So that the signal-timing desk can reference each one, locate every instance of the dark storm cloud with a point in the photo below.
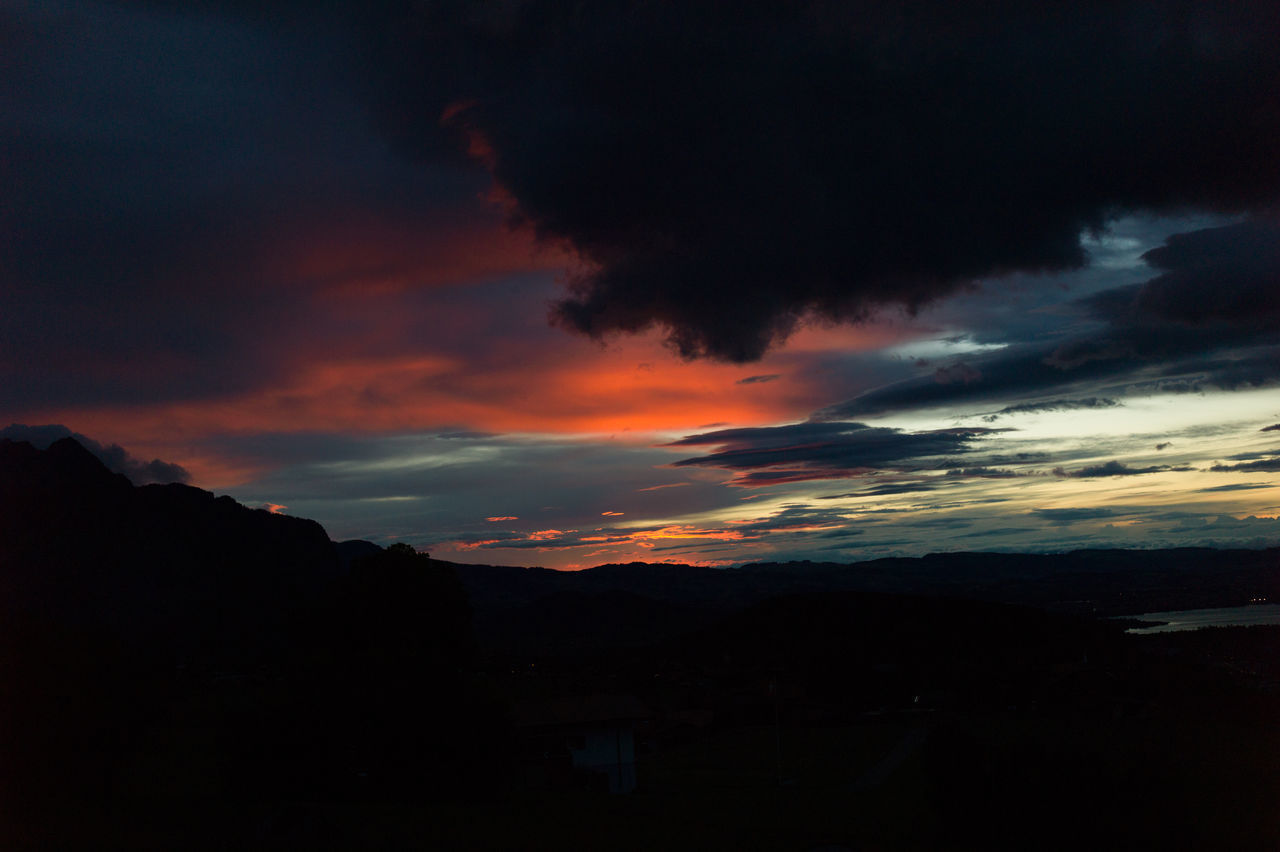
(115, 457)
(1228, 274)
(724, 169)
(720, 169)
(756, 380)
(802, 451)
(1272, 428)
(155, 165)
(1187, 330)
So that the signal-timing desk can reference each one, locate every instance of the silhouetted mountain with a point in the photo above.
(1086, 582)
(168, 654)
(159, 641)
(1098, 582)
(81, 544)
(352, 550)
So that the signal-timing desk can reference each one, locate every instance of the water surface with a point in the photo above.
(1194, 619)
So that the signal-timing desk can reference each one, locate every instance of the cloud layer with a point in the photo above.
(802, 451)
(1211, 319)
(725, 170)
(308, 250)
(115, 457)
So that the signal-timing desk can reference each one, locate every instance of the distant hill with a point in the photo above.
(1103, 582)
(80, 542)
(510, 600)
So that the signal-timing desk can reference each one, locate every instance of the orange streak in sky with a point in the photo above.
(359, 362)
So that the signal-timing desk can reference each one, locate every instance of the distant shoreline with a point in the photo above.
(1251, 614)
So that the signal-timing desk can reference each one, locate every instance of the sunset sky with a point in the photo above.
(560, 284)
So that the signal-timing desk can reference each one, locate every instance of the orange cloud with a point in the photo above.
(546, 535)
(389, 337)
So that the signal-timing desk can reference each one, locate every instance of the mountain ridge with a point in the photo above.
(81, 540)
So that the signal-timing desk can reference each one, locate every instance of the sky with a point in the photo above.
(563, 284)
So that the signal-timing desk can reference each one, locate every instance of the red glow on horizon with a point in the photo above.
(364, 359)
(608, 394)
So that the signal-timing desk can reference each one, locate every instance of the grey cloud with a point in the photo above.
(1054, 405)
(1153, 338)
(983, 473)
(116, 458)
(772, 161)
(756, 380)
(1254, 455)
(849, 533)
(1068, 516)
(958, 373)
(885, 489)
(1226, 274)
(1237, 486)
(1112, 468)
(848, 239)
(823, 450)
(1271, 464)
(998, 532)
(794, 517)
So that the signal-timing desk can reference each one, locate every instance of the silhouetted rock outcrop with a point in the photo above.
(81, 544)
(159, 642)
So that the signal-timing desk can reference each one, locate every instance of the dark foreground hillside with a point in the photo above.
(179, 671)
(175, 667)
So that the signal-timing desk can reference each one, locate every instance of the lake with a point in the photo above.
(1194, 619)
